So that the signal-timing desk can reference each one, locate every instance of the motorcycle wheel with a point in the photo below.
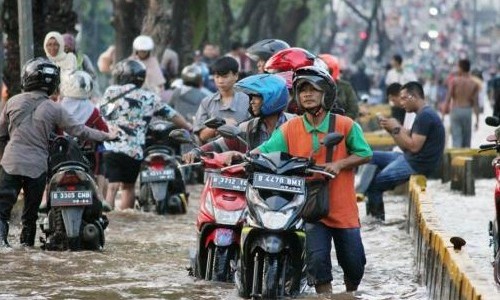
(270, 278)
(221, 267)
(210, 262)
(161, 207)
(496, 268)
(57, 239)
(257, 276)
(145, 198)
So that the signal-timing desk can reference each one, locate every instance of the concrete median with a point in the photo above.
(448, 273)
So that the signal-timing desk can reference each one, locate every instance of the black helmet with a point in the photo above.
(192, 75)
(40, 74)
(320, 79)
(129, 71)
(264, 49)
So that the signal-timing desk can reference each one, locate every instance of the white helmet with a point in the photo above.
(78, 85)
(143, 43)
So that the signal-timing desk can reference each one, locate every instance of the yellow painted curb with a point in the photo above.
(447, 273)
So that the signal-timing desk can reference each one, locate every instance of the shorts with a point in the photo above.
(120, 167)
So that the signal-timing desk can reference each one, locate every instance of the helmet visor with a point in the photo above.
(313, 80)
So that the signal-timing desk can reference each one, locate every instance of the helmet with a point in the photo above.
(129, 71)
(264, 49)
(333, 65)
(291, 59)
(143, 43)
(40, 74)
(320, 79)
(77, 85)
(192, 75)
(271, 88)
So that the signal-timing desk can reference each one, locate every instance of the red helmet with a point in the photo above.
(333, 65)
(290, 60)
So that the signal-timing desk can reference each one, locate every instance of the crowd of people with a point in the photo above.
(288, 103)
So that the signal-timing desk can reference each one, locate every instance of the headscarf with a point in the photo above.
(65, 61)
(69, 40)
(79, 109)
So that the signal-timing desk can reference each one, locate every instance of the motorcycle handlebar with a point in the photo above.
(313, 170)
(487, 146)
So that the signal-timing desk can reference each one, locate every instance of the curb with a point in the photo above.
(447, 273)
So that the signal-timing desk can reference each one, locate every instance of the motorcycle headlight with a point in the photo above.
(276, 220)
(254, 198)
(228, 217)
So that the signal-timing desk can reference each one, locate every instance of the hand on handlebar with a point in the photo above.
(113, 134)
(191, 156)
(231, 156)
(332, 168)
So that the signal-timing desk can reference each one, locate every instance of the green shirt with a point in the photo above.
(355, 141)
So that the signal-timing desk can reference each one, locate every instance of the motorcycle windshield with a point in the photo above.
(280, 163)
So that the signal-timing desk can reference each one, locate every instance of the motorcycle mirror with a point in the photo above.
(231, 132)
(214, 122)
(181, 136)
(492, 121)
(332, 139)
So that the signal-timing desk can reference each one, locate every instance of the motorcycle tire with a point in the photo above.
(145, 201)
(257, 276)
(221, 267)
(57, 239)
(161, 207)
(496, 268)
(271, 278)
(210, 262)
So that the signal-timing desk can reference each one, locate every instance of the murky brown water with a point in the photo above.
(146, 256)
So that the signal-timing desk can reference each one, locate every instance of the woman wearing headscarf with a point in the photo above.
(54, 49)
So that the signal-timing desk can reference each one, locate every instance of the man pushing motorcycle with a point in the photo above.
(315, 92)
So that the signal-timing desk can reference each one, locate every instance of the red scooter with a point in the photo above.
(493, 225)
(220, 218)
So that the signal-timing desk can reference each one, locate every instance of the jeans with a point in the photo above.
(393, 169)
(10, 185)
(349, 249)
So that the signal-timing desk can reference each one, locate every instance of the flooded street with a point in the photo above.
(146, 256)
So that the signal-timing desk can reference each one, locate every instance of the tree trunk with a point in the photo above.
(384, 42)
(157, 24)
(127, 21)
(294, 18)
(364, 43)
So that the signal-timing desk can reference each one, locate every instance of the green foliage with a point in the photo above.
(310, 28)
(198, 14)
(96, 32)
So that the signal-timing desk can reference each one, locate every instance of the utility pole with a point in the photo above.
(25, 31)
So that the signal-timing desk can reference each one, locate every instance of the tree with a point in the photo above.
(127, 20)
(369, 20)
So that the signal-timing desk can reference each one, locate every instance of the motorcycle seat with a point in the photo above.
(71, 164)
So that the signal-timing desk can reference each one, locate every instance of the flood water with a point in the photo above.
(146, 256)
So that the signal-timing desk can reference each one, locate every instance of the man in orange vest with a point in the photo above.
(315, 93)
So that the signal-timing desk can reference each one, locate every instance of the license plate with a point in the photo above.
(290, 184)
(228, 183)
(223, 237)
(70, 198)
(160, 175)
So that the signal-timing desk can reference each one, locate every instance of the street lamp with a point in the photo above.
(433, 11)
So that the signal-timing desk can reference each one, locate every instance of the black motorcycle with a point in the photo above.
(74, 217)
(162, 186)
(272, 246)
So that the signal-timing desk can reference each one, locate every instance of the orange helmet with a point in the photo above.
(333, 64)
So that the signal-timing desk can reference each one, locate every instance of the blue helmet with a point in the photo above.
(271, 88)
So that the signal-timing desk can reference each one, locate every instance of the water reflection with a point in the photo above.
(146, 256)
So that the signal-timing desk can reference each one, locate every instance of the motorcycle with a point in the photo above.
(162, 187)
(220, 218)
(74, 218)
(493, 225)
(271, 263)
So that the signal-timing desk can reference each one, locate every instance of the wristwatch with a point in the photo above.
(396, 130)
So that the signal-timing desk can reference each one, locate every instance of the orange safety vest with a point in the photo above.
(343, 206)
